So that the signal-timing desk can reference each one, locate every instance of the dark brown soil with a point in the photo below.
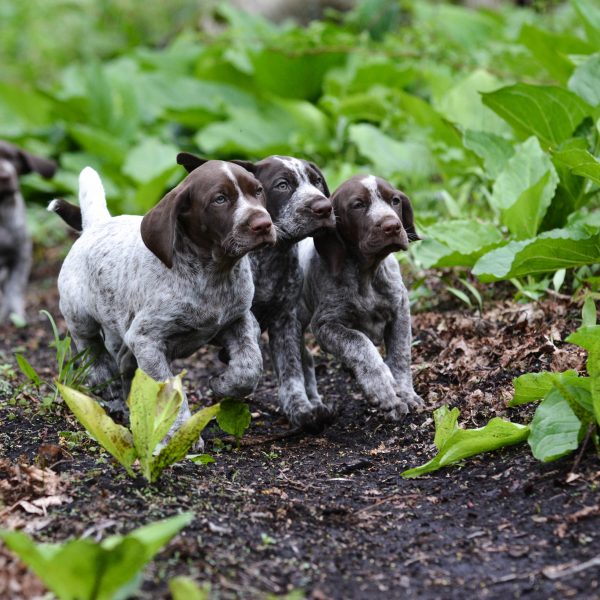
(329, 514)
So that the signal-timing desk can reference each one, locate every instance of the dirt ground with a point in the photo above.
(327, 515)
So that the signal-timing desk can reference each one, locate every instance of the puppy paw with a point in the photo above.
(238, 387)
(408, 396)
(313, 418)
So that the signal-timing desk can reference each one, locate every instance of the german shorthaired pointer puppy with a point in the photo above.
(15, 243)
(354, 296)
(145, 291)
(297, 200)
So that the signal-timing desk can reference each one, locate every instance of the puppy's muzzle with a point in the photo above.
(261, 226)
(321, 207)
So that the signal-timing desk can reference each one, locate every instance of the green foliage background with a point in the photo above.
(488, 119)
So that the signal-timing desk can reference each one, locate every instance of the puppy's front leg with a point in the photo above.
(398, 340)
(240, 341)
(14, 288)
(358, 353)
(286, 344)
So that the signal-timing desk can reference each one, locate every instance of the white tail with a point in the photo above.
(92, 199)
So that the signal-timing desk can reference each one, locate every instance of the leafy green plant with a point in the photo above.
(72, 367)
(568, 411)
(153, 408)
(82, 569)
(185, 588)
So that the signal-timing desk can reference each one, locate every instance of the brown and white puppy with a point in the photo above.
(354, 297)
(143, 291)
(298, 203)
(15, 243)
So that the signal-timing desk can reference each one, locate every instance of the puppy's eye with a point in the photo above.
(282, 185)
(395, 201)
(258, 192)
(358, 204)
(220, 199)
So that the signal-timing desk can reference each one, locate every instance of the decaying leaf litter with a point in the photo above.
(329, 514)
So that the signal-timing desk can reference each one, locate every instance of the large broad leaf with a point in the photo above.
(534, 386)
(589, 13)
(493, 149)
(555, 428)
(234, 417)
(153, 408)
(389, 156)
(183, 439)
(455, 443)
(552, 50)
(87, 570)
(584, 81)
(114, 438)
(21, 109)
(589, 338)
(281, 126)
(550, 251)
(550, 113)
(462, 104)
(524, 189)
(456, 243)
(579, 162)
(150, 159)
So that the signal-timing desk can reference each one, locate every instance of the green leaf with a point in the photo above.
(589, 338)
(456, 443)
(493, 149)
(114, 438)
(150, 159)
(584, 81)
(28, 370)
(457, 242)
(534, 386)
(552, 250)
(185, 588)
(589, 14)
(446, 424)
(588, 313)
(201, 459)
(86, 570)
(234, 417)
(183, 439)
(579, 162)
(389, 156)
(552, 50)
(550, 113)
(153, 408)
(463, 105)
(555, 428)
(524, 189)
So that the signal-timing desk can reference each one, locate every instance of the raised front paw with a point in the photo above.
(381, 393)
(227, 385)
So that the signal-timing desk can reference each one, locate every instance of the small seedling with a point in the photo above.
(153, 408)
(184, 588)
(86, 570)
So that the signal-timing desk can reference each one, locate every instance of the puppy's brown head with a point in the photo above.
(219, 207)
(373, 219)
(296, 193)
(15, 162)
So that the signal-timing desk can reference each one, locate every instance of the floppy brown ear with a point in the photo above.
(408, 220)
(46, 168)
(331, 249)
(245, 164)
(190, 161)
(159, 225)
(325, 188)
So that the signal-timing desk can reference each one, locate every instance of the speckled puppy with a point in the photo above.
(297, 200)
(15, 243)
(354, 296)
(145, 291)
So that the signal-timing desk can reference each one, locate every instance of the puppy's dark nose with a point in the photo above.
(321, 208)
(260, 224)
(391, 226)
(4, 176)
